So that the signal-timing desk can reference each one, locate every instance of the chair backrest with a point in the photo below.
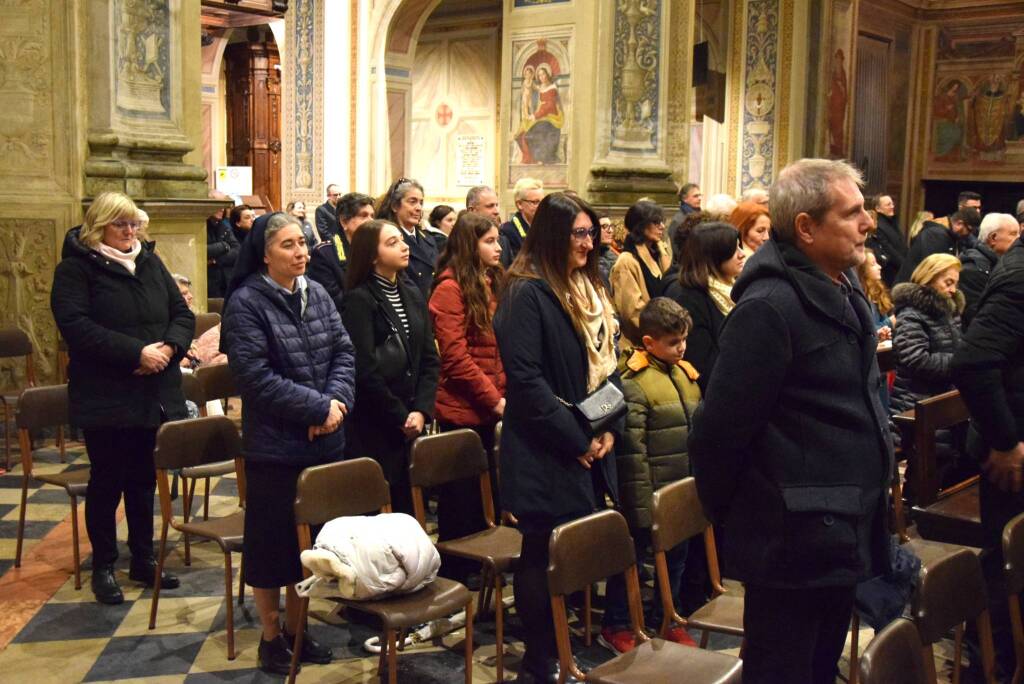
(886, 359)
(43, 407)
(195, 442)
(217, 381)
(325, 492)
(1013, 555)
(215, 305)
(588, 549)
(676, 514)
(445, 457)
(205, 321)
(14, 342)
(941, 411)
(894, 656)
(193, 389)
(950, 591)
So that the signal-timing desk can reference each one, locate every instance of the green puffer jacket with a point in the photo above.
(661, 402)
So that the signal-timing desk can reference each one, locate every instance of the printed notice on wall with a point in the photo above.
(234, 180)
(469, 160)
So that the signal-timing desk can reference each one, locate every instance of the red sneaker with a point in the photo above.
(678, 634)
(617, 640)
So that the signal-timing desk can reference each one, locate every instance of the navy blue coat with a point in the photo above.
(422, 261)
(288, 371)
(791, 448)
(542, 483)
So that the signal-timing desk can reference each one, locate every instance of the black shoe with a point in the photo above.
(104, 586)
(143, 572)
(275, 656)
(312, 650)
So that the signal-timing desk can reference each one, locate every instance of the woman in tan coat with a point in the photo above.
(638, 274)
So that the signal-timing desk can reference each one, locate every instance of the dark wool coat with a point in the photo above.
(328, 264)
(542, 483)
(472, 379)
(288, 370)
(375, 428)
(978, 262)
(221, 253)
(926, 335)
(934, 238)
(422, 262)
(702, 340)
(988, 368)
(326, 218)
(791, 448)
(511, 238)
(890, 248)
(107, 315)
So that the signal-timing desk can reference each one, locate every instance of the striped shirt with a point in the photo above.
(394, 299)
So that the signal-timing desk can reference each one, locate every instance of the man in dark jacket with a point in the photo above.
(800, 482)
(888, 243)
(988, 368)
(328, 261)
(528, 194)
(327, 214)
(221, 252)
(935, 238)
(997, 233)
(689, 203)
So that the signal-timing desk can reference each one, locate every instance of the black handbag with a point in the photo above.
(599, 409)
(392, 361)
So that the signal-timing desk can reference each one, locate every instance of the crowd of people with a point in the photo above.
(740, 339)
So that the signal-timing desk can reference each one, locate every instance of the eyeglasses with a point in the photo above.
(532, 203)
(581, 234)
(126, 225)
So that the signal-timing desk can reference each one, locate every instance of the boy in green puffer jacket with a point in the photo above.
(662, 394)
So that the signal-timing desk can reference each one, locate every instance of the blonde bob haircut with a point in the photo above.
(105, 209)
(524, 185)
(932, 267)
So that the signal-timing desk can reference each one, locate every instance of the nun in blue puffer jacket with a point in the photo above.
(294, 364)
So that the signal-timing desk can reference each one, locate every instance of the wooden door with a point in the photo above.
(254, 115)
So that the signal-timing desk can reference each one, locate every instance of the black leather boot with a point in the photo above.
(275, 656)
(143, 571)
(312, 650)
(104, 586)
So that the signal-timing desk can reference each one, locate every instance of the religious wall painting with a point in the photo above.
(541, 98)
(842, 36)
(977, 104)
(143, 83)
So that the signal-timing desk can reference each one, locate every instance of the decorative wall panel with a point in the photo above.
(636, 76)
(759, 99)
(143, 83)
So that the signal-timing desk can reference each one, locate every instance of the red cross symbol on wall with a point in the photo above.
(443, 114)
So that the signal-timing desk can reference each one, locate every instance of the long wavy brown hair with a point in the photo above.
(480, 284)
(875, 290)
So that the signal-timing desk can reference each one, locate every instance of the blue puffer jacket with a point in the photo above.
(288, 371)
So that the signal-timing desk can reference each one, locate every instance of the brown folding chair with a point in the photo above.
(894, 656)
(215, 305)
(358, 487)
(14, 342)
(1013, 569)
(40, 408)
(597, 546)
(951, 591)
(457, 455)
(184, 444)
(204, 322)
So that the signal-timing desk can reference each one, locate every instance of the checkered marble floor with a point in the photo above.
(71, 638)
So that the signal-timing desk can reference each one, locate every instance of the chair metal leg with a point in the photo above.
(228, 581)
(704, 635)
(159, 573)
(74, 540)
(21, 519)
(297, 645)
(469, 642)
(499, 625)
(393, 656)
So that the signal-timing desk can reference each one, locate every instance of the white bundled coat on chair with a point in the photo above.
(366, 557)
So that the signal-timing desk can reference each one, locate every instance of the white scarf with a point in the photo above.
(126, 259)
(599, 329)
(721, 294)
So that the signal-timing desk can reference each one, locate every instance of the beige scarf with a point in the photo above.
(721, 294)
(126, 259)
(599, 329)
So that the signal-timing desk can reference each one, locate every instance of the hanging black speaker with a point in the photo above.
(701, 53)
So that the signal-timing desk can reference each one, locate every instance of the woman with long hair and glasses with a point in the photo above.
(396, 360)
(471, 393)
(127, 328)
(556, 332)
(294, 365)
(639, 273)
(402, 205)
(712, 258)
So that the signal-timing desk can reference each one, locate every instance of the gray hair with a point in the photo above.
(473, 196)
(721, 205)
(525, 185)
(276, 223)
(181, 279)
(993, 222)
(754, 195)
(806, 187)
(1020, 211)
